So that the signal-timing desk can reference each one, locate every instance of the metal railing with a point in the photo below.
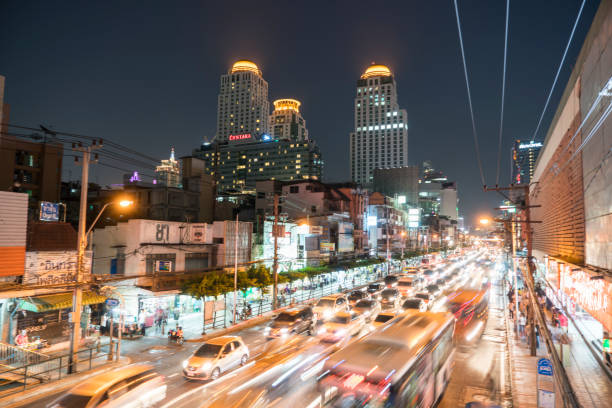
(12, 355)
(24, 374)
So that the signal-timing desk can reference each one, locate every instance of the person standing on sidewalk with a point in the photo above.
(522, 322)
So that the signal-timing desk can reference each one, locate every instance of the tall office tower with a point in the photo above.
(524, 156)
(168, 173)
(380, 139)
(243, 106)
(286, 122)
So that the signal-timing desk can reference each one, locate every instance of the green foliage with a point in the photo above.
(215, 283)
(260, 277)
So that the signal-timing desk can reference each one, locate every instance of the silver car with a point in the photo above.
(215, 357)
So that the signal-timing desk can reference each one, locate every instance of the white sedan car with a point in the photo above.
(342, 326)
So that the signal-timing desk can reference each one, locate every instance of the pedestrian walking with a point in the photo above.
(522, 322)
(511, 311)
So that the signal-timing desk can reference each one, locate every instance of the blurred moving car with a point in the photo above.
(132, 386)
(356, 296)
(369, 308)
(328, 306)
(406, 286)
(425, 297)
(374, 289)
(215, 357)
(292, 321)
(382, 319)
(434, 290)
(390, 299)
(415, 303)
(391, 281)
(341, 326)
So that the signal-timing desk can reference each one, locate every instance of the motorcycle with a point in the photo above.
(173, 335)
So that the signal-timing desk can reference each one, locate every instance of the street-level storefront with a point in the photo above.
(45, 317)
(587, 297)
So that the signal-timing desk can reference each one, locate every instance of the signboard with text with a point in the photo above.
(545, 384)
(49, 211)
(53, 267)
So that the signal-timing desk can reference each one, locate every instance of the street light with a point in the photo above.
(77, 296)
(485, 221)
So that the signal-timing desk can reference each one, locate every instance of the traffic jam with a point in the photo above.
(387, 343)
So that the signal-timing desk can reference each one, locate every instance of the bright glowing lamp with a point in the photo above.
(125, 203)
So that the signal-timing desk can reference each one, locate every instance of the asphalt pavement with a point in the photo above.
(282, 373)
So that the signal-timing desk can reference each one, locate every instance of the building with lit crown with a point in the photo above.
(286, 122)
(524, 156)
(243, 105)
(168, 173)
(380, 136)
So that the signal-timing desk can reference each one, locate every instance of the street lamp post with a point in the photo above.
(77, 297)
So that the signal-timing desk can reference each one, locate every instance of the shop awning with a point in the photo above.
(57, 301)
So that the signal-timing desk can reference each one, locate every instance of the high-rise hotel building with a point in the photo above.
(243, 105)
(380, 139)
(246, 150)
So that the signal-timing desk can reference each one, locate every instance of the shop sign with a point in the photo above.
(243, 136)
(606, 346)
(328, 246)
(49, 211)
(53, 267)
(316, 229)
(544, 384)
(593, 295)
(163, 266)
(112, 302)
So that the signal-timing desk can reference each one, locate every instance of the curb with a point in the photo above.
(31, 395)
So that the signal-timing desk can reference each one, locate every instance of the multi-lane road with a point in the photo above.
(283, 372)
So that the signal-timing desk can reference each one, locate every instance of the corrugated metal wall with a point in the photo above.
(13, 223)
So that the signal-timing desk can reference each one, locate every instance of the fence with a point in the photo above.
(30, 369)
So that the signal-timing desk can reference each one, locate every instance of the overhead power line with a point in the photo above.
(501, 120)
(558, 71)
(467, 84)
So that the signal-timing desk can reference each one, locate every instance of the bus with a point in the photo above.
(470, 308)
(406, 363)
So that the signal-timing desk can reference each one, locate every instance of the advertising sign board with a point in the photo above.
(49, 211)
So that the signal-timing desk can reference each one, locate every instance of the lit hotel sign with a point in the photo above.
(527, 145)
(240, 137)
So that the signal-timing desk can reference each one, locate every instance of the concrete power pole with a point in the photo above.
(275, 265)
(77, 296)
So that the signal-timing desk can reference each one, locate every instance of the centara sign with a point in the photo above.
(527, 145)
(240, 137)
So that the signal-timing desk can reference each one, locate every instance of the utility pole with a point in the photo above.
(388, 220)
(275, 265)
(77, 295)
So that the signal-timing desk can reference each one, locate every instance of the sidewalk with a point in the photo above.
(589, 382)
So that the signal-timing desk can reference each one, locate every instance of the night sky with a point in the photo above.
(146, 74)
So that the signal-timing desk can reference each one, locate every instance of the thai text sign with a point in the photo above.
(53, 267)
(49, 211)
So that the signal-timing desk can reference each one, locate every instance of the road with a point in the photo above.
(282, 373)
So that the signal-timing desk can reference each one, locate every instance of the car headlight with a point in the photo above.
(267, 330)
(185, 363)
(341, 332)
(284, 330)
(327, 314)
(321, 330)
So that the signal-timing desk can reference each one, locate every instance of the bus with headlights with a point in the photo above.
(470, 307)
(406, 363)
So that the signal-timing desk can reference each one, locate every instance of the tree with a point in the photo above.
(262, 279)
(213, 284)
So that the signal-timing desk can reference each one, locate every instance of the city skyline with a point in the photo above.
(174, 79)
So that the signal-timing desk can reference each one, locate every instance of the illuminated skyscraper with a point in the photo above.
(286, 122)
(524, 156)
(168, 173)
(243, 106)
(380, 138)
